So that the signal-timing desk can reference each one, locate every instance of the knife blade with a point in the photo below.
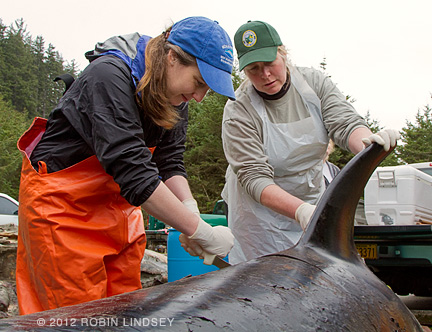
(210, 259)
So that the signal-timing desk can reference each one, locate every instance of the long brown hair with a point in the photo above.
(151, 90)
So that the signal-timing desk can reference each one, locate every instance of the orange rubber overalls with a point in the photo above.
(79, 240)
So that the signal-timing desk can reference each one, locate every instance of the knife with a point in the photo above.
(210, 259)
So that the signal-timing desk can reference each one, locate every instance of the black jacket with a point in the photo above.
(99, 116)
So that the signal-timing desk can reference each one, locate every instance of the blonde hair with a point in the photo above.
(151, 90)
(283, 51)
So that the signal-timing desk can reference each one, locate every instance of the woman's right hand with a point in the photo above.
(387, 138)
(216, 240)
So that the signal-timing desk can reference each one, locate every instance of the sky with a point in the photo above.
(377, 51)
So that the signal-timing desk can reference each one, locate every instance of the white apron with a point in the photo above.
(296, 151)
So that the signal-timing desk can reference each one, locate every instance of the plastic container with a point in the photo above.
(180, 263)
(398, 195)
(424, 167)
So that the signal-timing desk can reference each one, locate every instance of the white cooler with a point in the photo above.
(398, 195)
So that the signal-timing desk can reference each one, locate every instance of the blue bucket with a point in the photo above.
(180, 263)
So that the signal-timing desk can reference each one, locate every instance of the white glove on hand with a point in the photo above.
(193, 248)
(387, 138)
(304, 213)
(216, 240)
(192, 205)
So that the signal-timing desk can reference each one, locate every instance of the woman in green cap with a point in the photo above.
(275, 135)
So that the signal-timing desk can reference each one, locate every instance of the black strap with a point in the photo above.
(67, 78)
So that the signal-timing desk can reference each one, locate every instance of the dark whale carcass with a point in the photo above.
(321, 284)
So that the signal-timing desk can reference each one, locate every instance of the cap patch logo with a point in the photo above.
(249, 38)
(229, 53)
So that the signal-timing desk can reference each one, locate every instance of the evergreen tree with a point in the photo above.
(19, 81)
(204, 157)
(27, 71)
(323, 64)
(2, 54)
(12, 125)
(38, 50)
(417, 139)
(53, 68)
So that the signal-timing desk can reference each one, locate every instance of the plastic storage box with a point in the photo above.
(398, 195)
(424, 167)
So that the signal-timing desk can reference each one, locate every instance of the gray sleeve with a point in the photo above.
(339, 116)
(242, 139)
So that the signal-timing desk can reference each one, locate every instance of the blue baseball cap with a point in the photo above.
(211, 46)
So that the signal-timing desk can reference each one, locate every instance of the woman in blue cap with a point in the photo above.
(113, 145)
(275, 135)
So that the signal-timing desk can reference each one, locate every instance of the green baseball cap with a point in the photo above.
(256, 41)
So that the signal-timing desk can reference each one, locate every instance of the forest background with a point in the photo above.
(28, 89)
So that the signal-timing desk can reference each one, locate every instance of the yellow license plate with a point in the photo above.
(367, 251)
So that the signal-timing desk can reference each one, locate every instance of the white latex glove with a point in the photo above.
(304, 213)
(193, 248)
(387, 138)
(192, 205)
(216, 240)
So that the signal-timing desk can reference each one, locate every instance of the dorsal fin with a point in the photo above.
(332, 225)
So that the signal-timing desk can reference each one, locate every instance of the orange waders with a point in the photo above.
(79, 240)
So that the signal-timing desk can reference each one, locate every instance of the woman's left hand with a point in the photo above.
(216, 240)
(304, 214)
